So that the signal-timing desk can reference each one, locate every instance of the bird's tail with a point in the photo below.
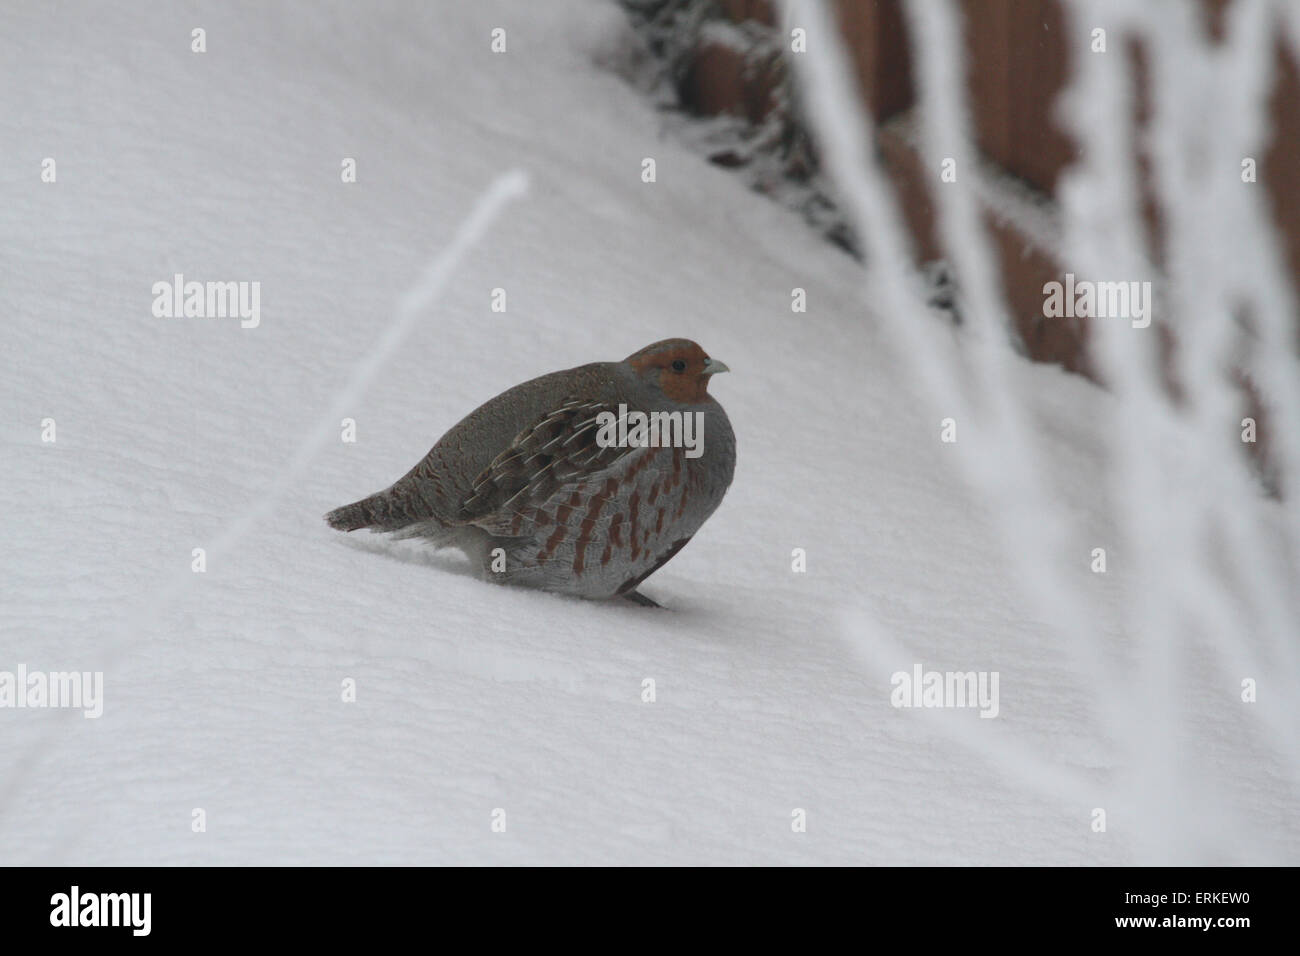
(382, 511)
(359, 514)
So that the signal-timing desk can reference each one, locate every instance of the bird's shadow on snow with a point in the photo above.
(452, 561)
(413, 552)
(688, 610)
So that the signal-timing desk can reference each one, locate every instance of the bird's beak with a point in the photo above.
(713, 367)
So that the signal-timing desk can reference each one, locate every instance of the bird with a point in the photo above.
(563, 484)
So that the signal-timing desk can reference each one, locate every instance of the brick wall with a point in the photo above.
(1017, 65)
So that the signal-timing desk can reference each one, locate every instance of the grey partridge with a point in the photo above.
(552, 485)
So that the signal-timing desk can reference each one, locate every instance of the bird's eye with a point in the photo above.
(679, 365)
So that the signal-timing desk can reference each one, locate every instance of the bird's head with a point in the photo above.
(677, 367)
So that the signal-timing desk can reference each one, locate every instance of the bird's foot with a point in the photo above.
(636, 597)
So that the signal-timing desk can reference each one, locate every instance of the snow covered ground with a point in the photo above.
(222, 690)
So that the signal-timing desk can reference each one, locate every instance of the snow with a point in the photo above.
(772, 688)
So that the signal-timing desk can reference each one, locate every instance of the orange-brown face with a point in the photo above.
(679, 367)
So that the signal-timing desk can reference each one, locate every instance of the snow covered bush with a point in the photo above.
(1208, 653)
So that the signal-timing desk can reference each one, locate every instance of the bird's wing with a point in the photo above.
(559, 449)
